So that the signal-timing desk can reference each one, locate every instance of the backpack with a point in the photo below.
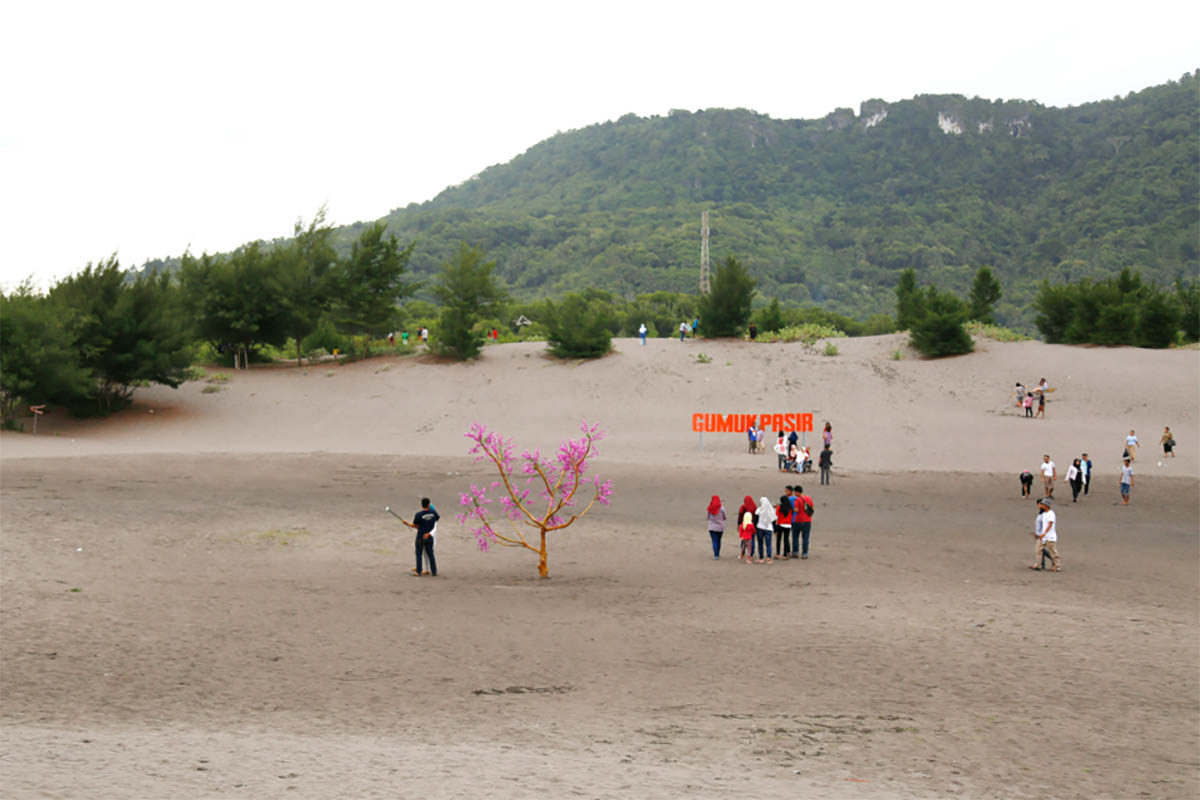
(808, 507)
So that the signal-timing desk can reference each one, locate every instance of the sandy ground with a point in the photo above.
(199, 602)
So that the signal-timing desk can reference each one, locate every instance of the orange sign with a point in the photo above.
(740, 423)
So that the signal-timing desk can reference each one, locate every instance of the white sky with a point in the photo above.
(150, 127)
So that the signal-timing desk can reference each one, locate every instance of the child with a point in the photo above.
(746, 534)
(1029, 404)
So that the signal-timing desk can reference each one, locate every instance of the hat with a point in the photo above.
(1046, 501)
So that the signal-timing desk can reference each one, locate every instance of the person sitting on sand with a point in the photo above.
(1168, 443)
(806, 460)
(793, 455)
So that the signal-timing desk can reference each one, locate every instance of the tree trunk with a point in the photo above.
(542, 570)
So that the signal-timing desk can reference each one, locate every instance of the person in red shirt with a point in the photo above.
(801, 522)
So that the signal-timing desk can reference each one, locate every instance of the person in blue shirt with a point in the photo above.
(424, 522)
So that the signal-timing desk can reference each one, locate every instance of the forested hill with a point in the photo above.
(831, 210)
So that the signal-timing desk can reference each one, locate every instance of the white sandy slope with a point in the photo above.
(888, 415)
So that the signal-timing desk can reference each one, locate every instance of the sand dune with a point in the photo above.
(888, 415)
(201, 596)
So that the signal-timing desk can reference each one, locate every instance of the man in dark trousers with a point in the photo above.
(825, 462)
(423, 523)
(801, 521)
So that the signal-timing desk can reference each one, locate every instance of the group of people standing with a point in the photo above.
(1026, 399)
(1079, 477)
(794, 457)
(787, 525)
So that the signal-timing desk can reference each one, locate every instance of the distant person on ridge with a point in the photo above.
(753, 332)
(642, 333)
(683, 329)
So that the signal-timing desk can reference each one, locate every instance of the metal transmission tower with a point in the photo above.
(704, 274)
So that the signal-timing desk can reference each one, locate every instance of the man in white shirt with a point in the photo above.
(1126, 481)
(1049, 473)
(1047, 540)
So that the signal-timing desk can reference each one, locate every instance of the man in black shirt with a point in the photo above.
(423, 523)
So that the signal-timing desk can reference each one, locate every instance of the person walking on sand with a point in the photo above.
(825, 462)
(716, 524)
(1047, 540)
(1075, 479)
(748, 507)
(1041, 412)
(1086, 466)
(1020, 392)
(683, 329)
(746, 535)
(766, 529)
(801, 521)
(760, 439)
(1168, 443)
(1126, 481)
(1049, 473)
(1029, 405)
(827, 435)
(424, 522)
(1131, 446)
(642, 333)
(752, 437)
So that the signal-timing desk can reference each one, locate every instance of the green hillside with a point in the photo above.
(829, 211)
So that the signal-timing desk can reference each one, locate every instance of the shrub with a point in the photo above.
(831, 349)
(809, 333)
(994, 332)
(577, 329)
(939, 331)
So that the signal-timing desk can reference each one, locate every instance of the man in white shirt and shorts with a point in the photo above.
(1049, 473)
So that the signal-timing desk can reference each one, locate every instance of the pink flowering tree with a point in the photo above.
(536, 495)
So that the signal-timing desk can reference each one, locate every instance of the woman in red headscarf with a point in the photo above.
(716, 524)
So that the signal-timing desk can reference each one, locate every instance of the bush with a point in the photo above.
(939, 330)
(578, 329)
(994, 332)
(831, 349)
(725, 310)
(809, 333)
